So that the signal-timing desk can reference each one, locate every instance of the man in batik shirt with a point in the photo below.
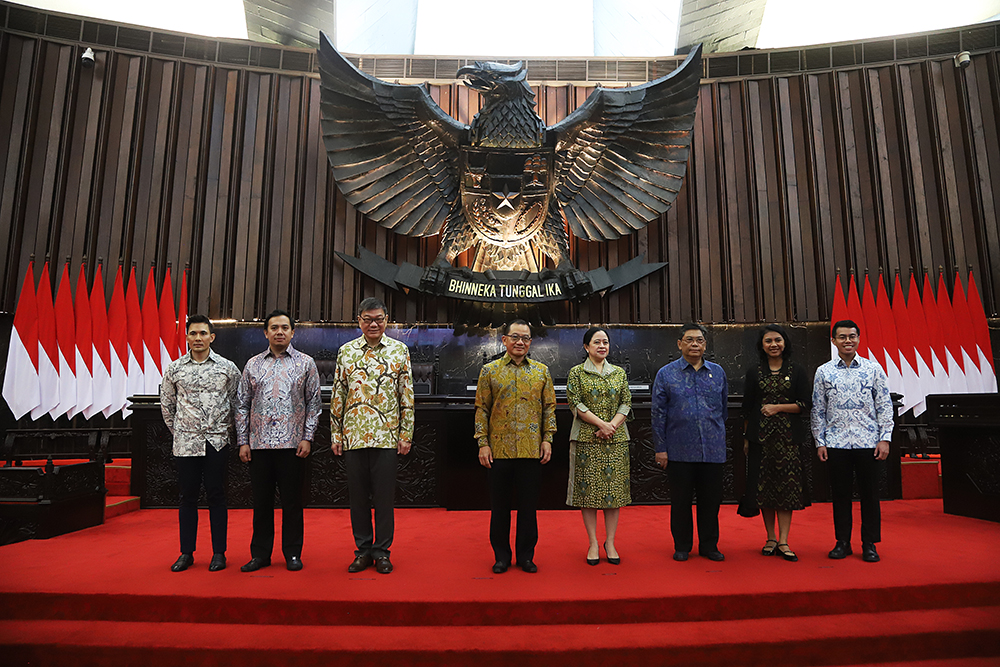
(852, 421)
(515, 425)
(689, 407)
(371, 422)
(197, 397)
(278, 406)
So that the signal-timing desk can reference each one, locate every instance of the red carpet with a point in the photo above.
(105, 596)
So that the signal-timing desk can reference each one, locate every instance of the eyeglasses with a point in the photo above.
(370, 320)
(518, 337)
(843, 337)
(690, 340)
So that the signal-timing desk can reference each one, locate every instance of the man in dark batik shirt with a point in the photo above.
(690, 398)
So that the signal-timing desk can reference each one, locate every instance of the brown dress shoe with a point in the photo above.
(383, 565)
(361, 563)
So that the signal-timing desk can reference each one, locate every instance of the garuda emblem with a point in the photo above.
(507, 185)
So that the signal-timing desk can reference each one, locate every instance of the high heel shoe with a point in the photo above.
(593, 561)
(614, 561)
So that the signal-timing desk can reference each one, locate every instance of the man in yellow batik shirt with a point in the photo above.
(371, 420)
(515, 424)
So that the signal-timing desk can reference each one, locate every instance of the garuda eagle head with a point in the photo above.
(507, 118)
(497, 81)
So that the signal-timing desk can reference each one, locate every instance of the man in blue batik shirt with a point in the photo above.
(690, 399)
(852, 420)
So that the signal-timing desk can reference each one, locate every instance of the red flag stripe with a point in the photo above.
(886, 322)
(856, 314)
(133, 319)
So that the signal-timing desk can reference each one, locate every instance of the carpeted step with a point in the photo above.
(118, 505)
(117, 479)
(847, 639)
(210, 606)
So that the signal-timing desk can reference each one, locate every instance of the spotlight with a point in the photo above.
(963, 59)
(87, 59)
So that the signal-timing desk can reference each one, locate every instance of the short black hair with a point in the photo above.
(688, 326)
(278, 312)
(506, 328)
(372, 303)
(199, 319)
(592, 331)
(844, 324)
(778, 329)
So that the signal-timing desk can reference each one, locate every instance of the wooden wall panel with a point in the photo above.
(155, 161)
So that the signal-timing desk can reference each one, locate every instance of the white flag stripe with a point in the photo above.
(20, 381)
(101, 397)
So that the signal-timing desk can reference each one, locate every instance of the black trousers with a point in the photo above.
(281, 468)
(686, 480)
(842, 465)
(192, 472)
(510, 477)
(371, 483)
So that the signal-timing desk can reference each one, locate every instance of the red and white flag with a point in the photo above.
(182, 314)
(101, 347)
(48, 348)
(926, 359)
(152, 372)
(118, 331)
(20, 379)
(966, 338)
(890, 342)
(66, 338)
(952, 345)
(84, 347)
(982, 331)
(168, 325)
(939, 353)
(909, 359)
(873, 326)
(857, 314)
(838, 313)
(136, 348)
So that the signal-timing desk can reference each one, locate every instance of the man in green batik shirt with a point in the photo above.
(371, 420)
(515, 424)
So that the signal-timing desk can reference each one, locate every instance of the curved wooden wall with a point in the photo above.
(149, 159)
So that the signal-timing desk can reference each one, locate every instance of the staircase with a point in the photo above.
(117, 480)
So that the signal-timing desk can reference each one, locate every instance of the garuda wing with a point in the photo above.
(393, 150)
(621, 156)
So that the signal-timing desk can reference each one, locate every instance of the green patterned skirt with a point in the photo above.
(598, 475)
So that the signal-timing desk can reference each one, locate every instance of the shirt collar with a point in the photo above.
(855, 362)
(289, 352)
(590, 367)
(186, 358)
(507, 359)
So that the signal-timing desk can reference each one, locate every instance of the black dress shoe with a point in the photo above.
(218, 563)
(715, 555)
(500, 567)
(788, 554)
(842, 550)
(868, 553)
(383, 565)
(293, 563)
(361, 563)
(680, 556)
(255, 564)
(529, 566)
(182, 563)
